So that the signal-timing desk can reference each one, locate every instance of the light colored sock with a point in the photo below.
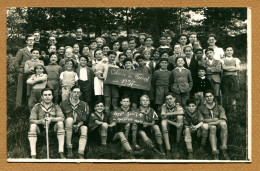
(61, 137)
(82, 144)
(32, 139)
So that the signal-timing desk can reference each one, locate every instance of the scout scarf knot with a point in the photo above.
(211, 109)
(74, 107)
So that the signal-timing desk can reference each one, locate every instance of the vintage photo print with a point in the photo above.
(128, 84)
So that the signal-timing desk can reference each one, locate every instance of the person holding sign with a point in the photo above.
(123, 126)
(76, 113)
(150, 117)
(172, 115)
(42, 113)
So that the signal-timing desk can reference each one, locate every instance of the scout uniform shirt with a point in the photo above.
(171, 109)
(96, 116)
(191, 118)
(39, 111)
(78, 111)
(205, 112)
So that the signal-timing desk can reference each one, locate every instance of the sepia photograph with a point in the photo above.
(166, 85)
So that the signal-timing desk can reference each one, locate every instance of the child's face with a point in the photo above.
(188, 52)
(170, 100)
(180, 62)
(116, 46)
(99, 107)
(111, 58)
(35, 54)
(183, 40)
(39, 69)
(229, 51)
(128, 65)
(191, 107)
(209, 98)
(129, 53)
(99, 43)
(132, 44)
(149, 42)
(144, 101)
(193, 38)
(163, 40)
(165, 55)
(52, 49)
(83, 62)
(105, 60)
(196, 45)
(93, 45)
(210, 54)
(53, 59)
(156, 55)
(124, 45)
(105, 50)
(199, 55)
(141, 39)
(79, 33)
(68, 53)
(69, 65)
(212, 41)
(168, 40)
(61, 50)
(164, 64)
(85, 50)
(36, 36)
(201, 73)
(52, 41)
(140, 62)
(125, 103)
(147, 55)
(177, 49)
(99, 55)
(76, 48)
(122, 58)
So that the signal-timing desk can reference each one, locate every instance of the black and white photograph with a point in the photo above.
(166, 85)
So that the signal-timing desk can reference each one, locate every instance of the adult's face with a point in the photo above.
(124, 45)
(30, 41)
(209, 98)
(79, 33)
(193, 38)
(113, 36)
(149, 42)
(141, 39)
(170, 100)
(37, 37)
(212, 41)
(47, 96)
(75, 94)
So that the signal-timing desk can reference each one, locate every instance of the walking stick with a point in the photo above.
(47, 134)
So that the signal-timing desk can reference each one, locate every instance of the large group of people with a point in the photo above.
(63, 83)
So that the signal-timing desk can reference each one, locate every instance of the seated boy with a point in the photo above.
(172, 115)
(121, 127)
(214, 116)
(192, 127)
(148, 126)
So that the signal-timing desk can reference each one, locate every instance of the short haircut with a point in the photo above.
(154, 51)
(52, 53)
(163, 59)
(126, 60)
(185, 47)
(163, 35)
(70, 60)
(163, 52)
(190, 101)
(169, 94)
(192, 33)
(229, 46)
(183, 35)
(209, 91)
(79, 28)
(125, 97)
(83, 56)
(146, 96)
(97, 102)
(105, 45)
(46, 89)
(121, 54)
(115, 41)
(179, 58)
(202, 68)
(111, 52)
(39, 64)
(198, 50)
(139, 57)
(35, 49)
(212, 35)
(96, 52)
(148, 37)
(92, 41)
(137, 52)
(74, 87)
(131, 39)
(209, 49)
(27, 36)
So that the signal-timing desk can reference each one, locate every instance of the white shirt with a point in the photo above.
(83, 75)
(188, 61)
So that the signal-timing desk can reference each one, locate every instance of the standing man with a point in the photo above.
(76, 114)
(42, 113)
(21, 57)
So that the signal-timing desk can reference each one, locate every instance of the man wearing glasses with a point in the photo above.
(76, 113)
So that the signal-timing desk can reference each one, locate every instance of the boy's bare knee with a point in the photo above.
(60, 125)
(84, 130)
(223, 125)
(205, 126)
(69, 122)
(213, 129)
(33, 128)
(104, 125)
